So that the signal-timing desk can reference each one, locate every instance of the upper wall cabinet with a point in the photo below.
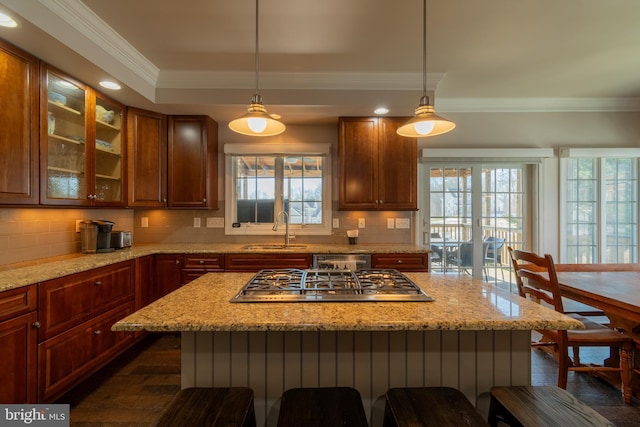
(18, 126)
(147, 158)
(378, 168)
(193, 162)
(82, 147)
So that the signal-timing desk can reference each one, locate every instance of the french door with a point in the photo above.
(471, 214)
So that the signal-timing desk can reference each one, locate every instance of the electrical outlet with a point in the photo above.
(215, 222)
(336, 222)
(390, 223)
(402, 223)
(78, 221)
(144, 222)
(360, 222)
(196, 222)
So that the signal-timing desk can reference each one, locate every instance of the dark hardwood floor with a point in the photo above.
(135, 388)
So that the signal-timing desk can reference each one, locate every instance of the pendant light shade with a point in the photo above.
(257, 122)
(425, 122)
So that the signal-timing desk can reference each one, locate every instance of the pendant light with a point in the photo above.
(425, 122)
(257, 122)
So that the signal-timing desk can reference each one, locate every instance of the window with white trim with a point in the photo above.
(600, 209)
(262, 184)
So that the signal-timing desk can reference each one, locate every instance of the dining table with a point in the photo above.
(617, 294)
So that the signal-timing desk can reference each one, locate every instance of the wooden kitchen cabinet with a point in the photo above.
(255, 262)
(401, 262)
(18, 343)
(145, 281)
(168, 274)
(19, 142)
(75, 314)
(82, 149)
(147, 158)
(195, 265)
(193, 162)
(378, 168)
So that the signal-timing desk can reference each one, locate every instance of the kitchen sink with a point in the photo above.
(273, 246)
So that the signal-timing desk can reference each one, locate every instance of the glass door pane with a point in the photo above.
(66, 134)
(109, 147)
(502, 220)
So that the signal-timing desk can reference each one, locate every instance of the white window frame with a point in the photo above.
(598, 154)
(266, 149)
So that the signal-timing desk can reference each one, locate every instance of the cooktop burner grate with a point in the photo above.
(293, 285)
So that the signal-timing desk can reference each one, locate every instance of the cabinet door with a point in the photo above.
(358, 158)
(147, 158)
(193, 161)
(397, 166)
(110, 153)
(19, 142)
(168, 274)
(145, 278)
(69, 357)
(65, 172)
(18, 340)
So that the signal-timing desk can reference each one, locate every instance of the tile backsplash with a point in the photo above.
(29, 234)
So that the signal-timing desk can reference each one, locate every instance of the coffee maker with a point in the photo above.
(95, 236)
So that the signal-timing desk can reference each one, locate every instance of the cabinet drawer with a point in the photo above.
(69, 301)
(213, 262)
(255, 262)
(69, 357)
(401, 262)
(17, 301)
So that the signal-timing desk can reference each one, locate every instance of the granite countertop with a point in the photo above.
(461, 303)
(46, 269)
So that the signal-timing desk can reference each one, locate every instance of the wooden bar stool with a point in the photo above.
(211, 407)
(322, 407)
(430, 407)
(541, 406)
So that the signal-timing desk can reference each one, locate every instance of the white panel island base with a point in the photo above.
(271, 362)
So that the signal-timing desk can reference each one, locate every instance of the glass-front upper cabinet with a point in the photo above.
(81, 151)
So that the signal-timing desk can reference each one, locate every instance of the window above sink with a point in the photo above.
(265, 179)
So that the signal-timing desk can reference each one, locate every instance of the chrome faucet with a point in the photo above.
(286, 230)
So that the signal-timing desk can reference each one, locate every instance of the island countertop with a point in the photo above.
(461, 303)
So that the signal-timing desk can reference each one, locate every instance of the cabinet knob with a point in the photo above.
(36, 325)
(164, 200)
(177, 262)
(201, 261)
(399, 261)
(204, 200)
(97, 283)
(97, 332)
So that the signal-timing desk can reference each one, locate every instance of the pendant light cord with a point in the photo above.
(424, 48)
(257, 48)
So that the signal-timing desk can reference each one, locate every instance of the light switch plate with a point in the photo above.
(196, 222)
(360, 222)
(144, 222)
(390, 223)
(336, 222)
(402, 223)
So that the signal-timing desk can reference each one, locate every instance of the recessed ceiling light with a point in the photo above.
(381, 110)
(110, 85)
(7, 21)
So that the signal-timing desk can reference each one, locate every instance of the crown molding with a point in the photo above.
(536, 105)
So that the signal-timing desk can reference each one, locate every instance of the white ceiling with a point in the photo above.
(324, 59)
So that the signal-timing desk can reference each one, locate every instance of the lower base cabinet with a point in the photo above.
(70, 357)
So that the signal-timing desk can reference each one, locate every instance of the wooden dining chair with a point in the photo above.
(537, 280)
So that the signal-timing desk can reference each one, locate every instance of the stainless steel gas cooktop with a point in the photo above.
(322, 285)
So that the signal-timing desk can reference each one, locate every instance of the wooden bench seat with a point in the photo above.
(322, 407)
(430, 406)
(212, 407)
(541, 406)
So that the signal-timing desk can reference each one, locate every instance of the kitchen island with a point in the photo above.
(473, 336)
